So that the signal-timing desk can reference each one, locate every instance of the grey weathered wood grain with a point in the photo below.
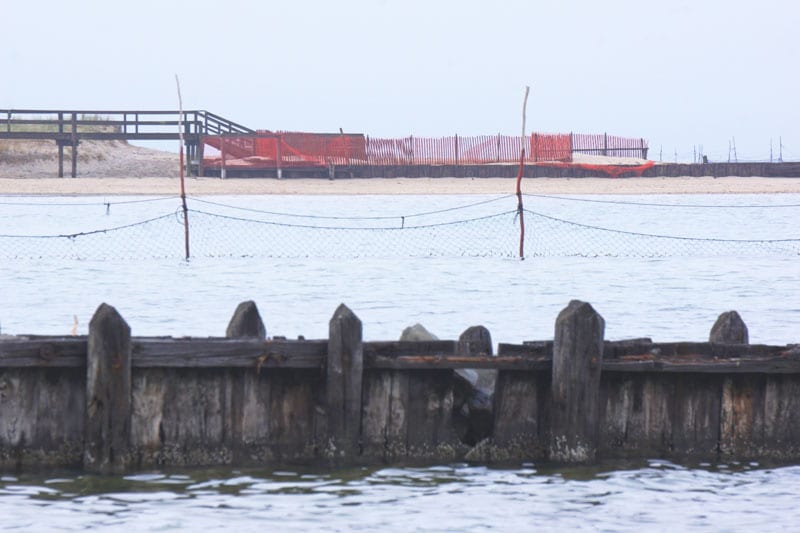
(344, 383)
(577, 361)
(108, 392)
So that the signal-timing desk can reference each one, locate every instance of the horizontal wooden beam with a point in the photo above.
(96, 136)
(780, 364)
(96, 112)
(211, 352)
(445, 362)
(224, 352)
(30, 351)
(408, 348)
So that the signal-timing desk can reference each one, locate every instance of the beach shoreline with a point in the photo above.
(83, 186)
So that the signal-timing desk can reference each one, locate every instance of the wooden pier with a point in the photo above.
(110, 402)
(69, 127)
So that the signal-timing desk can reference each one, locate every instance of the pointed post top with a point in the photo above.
(106, 316)
(577, 308)
(729, 329)
(344, 313)
(246, 322)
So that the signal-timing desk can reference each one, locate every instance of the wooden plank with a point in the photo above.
(521, 409)
(527, 349)
(70, 352)
(782, 364)
(760, 417)
(642, 347)
(695, 417)
(223, 352)
(385, 415)
(108, 392)
(430, 434)
(459, 361)
(409, 348)
(54, 352)
(42, 416)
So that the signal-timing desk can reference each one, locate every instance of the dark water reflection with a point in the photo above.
(614, 496)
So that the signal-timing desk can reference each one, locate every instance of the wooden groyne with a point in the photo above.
(540, 170)
(110, 402)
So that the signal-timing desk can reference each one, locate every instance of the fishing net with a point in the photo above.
(549, 236)
(215, 235)
(554, 226)
(159, 237)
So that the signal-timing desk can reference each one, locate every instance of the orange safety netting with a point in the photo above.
(299, 149)
(550, 147)
(613, 171)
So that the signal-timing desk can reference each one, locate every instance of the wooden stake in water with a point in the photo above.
(183, 187)
(519, 179)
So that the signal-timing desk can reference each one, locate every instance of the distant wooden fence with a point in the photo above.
(111, 402)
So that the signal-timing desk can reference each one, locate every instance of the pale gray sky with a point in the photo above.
(678, 73)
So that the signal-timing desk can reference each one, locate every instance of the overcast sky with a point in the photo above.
(678, 73)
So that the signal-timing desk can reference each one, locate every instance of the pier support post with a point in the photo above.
(108, 392)
(201, 171)
(246, 322)
(74, 144)
(60, 159)
(343, 384)
(577, 361)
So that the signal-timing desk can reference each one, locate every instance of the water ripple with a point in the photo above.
(659, 495)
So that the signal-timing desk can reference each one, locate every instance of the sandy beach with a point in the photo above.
(113, 168)
(215, 186)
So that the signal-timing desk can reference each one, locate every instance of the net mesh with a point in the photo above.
(215, 235)
(554, 226)
(152, 238)
(550, 236)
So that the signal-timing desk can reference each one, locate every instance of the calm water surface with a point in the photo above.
(667, 298)
(650, 496)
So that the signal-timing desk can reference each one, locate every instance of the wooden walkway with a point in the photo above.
(70, 127)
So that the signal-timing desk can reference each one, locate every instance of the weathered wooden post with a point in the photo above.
(343, 384)
(246, 322)
(74, 144)
(729, 329)
(577, 361)
(108, 392)
(475, 340)
(472, 398)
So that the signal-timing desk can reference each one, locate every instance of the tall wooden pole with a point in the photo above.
(519, 179)
(183, 186)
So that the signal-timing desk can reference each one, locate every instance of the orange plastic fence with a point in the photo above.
(613, 171)
(298, 149)
(550, 147)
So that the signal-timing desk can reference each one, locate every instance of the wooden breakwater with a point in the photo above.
(110, 402)
(539, 170)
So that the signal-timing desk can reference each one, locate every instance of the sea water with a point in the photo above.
(667, 298)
